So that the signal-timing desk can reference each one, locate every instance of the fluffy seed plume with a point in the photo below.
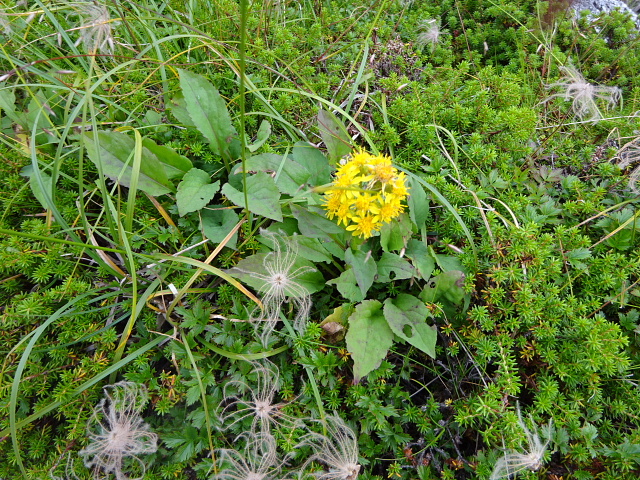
(514, 462)
(337, 450)
(430, 33)
(257, 461)
(256, 401)
(584, 96)
(279, 284)
(117, 433)
(629, 154)
(96, 31)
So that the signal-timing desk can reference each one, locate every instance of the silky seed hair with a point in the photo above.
(337, 450)
(117, 434)
(256, 401)
(280, 286)
(584, 96)
(513, 462)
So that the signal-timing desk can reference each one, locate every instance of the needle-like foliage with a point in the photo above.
(117, 433)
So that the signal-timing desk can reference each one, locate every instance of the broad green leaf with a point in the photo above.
(179, 109)
(8, 104)
(574, 257)
(334, 135)
(368, 339)
(395, 234)
(309, 248)
(254, 271)
(27, 171)
(421, 258)
(313, 224)
(446, 289)
(347, 286)
(175, 165)
(291, 176)
(263, 194)
(364, 268)
(208, 111)
(263, 134)
(446, 262)
(195, 191)
(218, 223)
(314, 161)
(115, 151)
(393, 267)
(418, 203)
(407, 317)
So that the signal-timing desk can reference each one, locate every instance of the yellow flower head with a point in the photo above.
(367, 191)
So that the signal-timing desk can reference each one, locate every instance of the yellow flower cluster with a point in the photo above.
(367, 192)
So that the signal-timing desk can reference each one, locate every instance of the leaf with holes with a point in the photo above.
(407, 317)
(393, 267)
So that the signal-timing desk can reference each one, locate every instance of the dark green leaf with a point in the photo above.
(418, 203)
(364, 268)
(407, 317)
(263, 196)
(334, 134)
(291, 176)
(395, 234)
(313, 224)
(346, 285)
(27, 171)
(263, 134)
(393, 267)
(218, 223)
(208, 111)
(115, 151)
(421, 258)
(175, 165)
(446, 289)
(195, 191)
(178, 107)
(368, 339)
(314, 161)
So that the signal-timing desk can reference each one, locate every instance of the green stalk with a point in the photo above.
(242, 67)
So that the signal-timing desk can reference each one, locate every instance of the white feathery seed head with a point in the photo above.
(96, 29)
(256, 401)
(629, 154)
(258, 459)
(337, 450)
(117, 433)
(584, 96)
(430, 33)
(280, 285)
(514, 462)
